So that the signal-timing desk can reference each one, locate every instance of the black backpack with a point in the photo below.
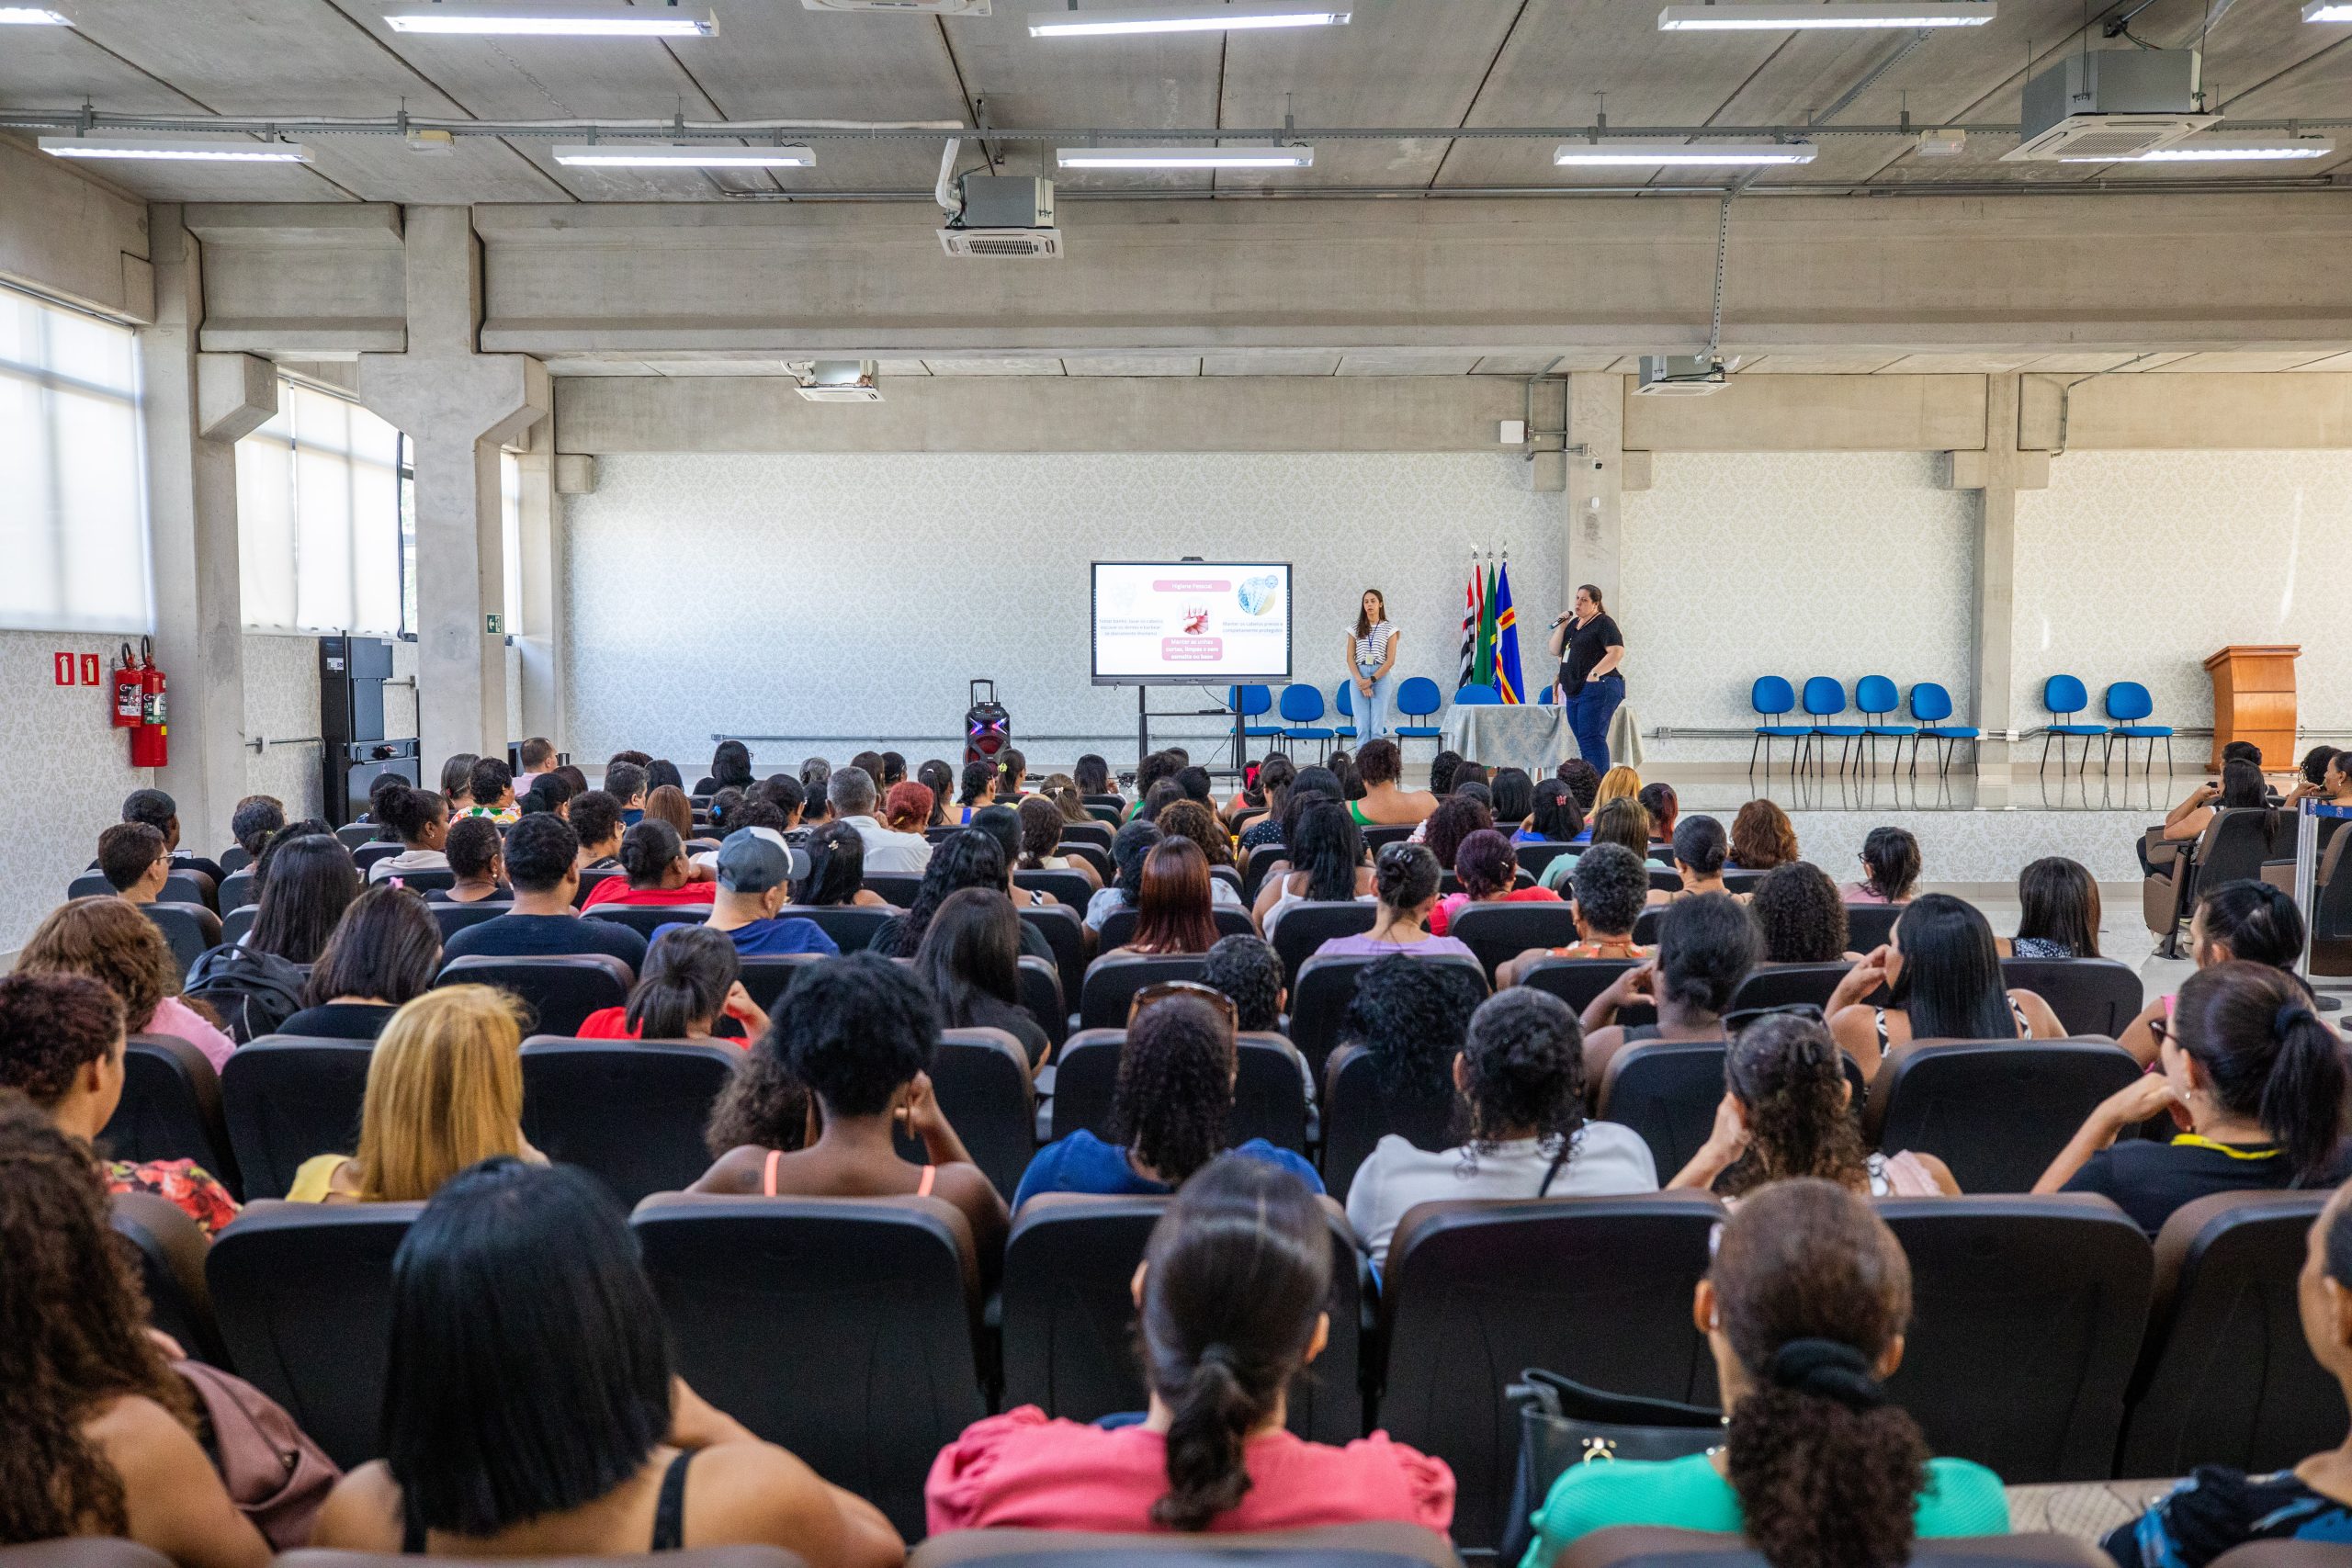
(254, 993)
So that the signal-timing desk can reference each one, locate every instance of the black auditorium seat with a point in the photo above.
(1323, 988)
(2090, 996)
(630, 1112)
(1997, 1111)
(171, 1250)
(1112, 983)
(1498, 933)
(1357, 1114)
(1269, 1096)
(290, 1098)
(560, 989)
(171, 1109)
(981, 1076)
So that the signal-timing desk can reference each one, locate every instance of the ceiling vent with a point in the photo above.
(1004, 215)
(838, 382)
(1680, 375)
(2111, 103)
(926, 8)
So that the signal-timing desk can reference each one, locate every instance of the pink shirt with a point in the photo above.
(174, 1017)
(1021, 1470)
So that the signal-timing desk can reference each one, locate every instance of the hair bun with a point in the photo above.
(1827, 1368)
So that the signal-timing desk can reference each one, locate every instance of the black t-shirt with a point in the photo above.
(1018, 1022)
(534, 936)
(340, 1021)
(2148, 1180)
(1585, 647)
(889, 939)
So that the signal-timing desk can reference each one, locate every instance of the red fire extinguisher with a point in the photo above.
(129, 692)
(150, 743)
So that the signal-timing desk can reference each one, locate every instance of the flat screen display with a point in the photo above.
(1190, 622)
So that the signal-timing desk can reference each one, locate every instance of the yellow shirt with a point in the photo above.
(314, 1178)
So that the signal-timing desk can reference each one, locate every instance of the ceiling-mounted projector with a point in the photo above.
(838, 382)
(930, 8)
(1010, 217)
(1681, 375)
(2109, 104)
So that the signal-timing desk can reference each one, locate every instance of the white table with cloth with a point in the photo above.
(1532, 736)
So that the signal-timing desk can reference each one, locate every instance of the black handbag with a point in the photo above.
(1562, 1423)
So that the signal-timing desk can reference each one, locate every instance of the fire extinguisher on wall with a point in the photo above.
(129, 692)
(150, 743)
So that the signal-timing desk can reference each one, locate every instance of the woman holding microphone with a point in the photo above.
(1589, 648)
(1372, 654)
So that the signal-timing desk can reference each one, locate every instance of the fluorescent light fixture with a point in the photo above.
(32, 16)
(553, 18)
(1185, 20)
(2328, 11)
(1185, 157)
(2226, 150)
(668, 155)
(179, 149)
(1680, 154)
(1737, 18)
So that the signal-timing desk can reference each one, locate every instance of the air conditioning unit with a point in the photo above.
(838, 382)
(930, 8)
(1008, 216)
(1680, 375)
(2109, 104)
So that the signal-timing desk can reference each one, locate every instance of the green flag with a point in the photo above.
(1485, 674)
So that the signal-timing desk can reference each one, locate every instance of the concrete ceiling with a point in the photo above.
(1420, 64)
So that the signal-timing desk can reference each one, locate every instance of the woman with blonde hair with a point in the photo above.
(1620, 782)
(1062, 790)
(114, 944)
(445, 1089)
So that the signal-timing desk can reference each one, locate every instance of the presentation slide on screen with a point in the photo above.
(1211, 622)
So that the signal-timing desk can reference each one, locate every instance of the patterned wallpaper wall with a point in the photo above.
(63, 772)
(857, 596)
(1790, 563)
(2133, 566)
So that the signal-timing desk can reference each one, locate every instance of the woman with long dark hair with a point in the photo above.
(1327, 856)
(940, 779)
(383, 955)
(1706, 946)
(2244, 919)
(1804, 1307)
(836, 870)
(2241, 788)
(1258, 814)
(1230, 1301)
(972, 857)
(978, 791)
(730, 767)
(971, 959)
(2058, 911)
(1554, 819)
(2254, 1078)
(1944, 979)
(1172, 907)
(310, 881)
(1091, 774)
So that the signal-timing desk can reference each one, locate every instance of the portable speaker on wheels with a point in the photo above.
(987, 728)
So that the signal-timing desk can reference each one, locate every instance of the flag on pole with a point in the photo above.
(1506, 675)
(1485, 673)
(1469, 628)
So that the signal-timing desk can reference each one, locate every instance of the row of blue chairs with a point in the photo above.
(1302, 711)
(1876, 700)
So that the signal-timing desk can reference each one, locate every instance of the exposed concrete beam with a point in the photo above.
(1815, 413)
(64, 234)
(2187, 411)
(302, 279)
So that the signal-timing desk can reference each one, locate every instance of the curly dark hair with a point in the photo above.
(1175, 1087)
(1245, 969)
(1612, 887)
(472, 846)
(1803, 919)
(1523, 1063)
(595, 815)
(1485, 865)
(1583, 780)
(1378, 760)
(855, 1031)
(1790, 1078)
(1412, 1016)
(1442, 768)
(72, 1334)
(1891, 855)
(1191, 819)
(1811, 1289)
(1456, 818)
(51, 1026)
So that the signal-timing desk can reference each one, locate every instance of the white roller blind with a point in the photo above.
(72, 496)
(318, 518)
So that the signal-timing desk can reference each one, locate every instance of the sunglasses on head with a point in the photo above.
(1165, 989)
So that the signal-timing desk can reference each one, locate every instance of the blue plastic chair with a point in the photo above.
(1477, 696)
(1343, 698)
(1419, 698)
(1301, 708)
(1877, 699)
(1248, 703)
(1826, 698)
(2128, 701)
(1931, 704)
(1770, 697)
(2064, 697)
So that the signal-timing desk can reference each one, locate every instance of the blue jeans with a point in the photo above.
(1372, 712)
(1590, 711)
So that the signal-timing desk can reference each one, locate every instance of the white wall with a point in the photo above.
(64, 769)
(857, 596)
(282, 703)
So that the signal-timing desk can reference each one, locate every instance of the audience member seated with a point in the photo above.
(668, 802)
(1583, 780)
(1192, 779)
(1762, 837)
(1796, 908)
(1168, 1105)
(1612, 887)
(1464, 776)
(103, 1436)
(1002, 823)
(907, 808)
(492, 788)
(595, 819)
(1411, 1020)
(115, 945)
(1665, 808)
(550, 794)
(1327, 849)
(1487, 868)
(2313, 769)
(444, 1089)
(2219, 1508)
(255, 818)
(1250, 973)
(836, 876)
(1386, 802)
(1706, 946)
(477, 852)
(662, 773)
(1230, 1298)
(1129, 848)
(160, 812)
(1890, 869)
(2334, 786)
(1513, 797)
(1013, 774)
(61, 1043)
(542, 857)
(1788, 1112)
(458, 783)
(691, 981)
(133, 859)
(2252, 921)
(2058, 911)
(1943, 978)
(851, 792)
(2241, 786)
(1042, 820)
(1167, 791)
(1457, 816)
(1405, 881)
(816, 774)
(1519, 1076)
(1091, 773)
(859, 1035)
(1620, 782)
(1621, 822)
(2254, 1076)
(530, 1408)
(624, 782)
(971, 959)
(975, 790)
(730, 767)
(575, 783)
(382, 956)
(785, 793)
(973, 858)
(1312, 784)
(1258, 811)
(655, 870)
(1555, 819)
(1804, 1307)
(311, 883)
(537, 757)
(1442, 771)
(1173, 902)
(1198, 822)
(422, 822)
(1701, 847)
(754, 879)
(894, 772)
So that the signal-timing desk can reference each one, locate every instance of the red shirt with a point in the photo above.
(617, 890)
(1021, 1470)
(1452, 904)
(612, 1023)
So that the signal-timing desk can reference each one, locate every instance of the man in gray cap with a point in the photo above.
(755, 870)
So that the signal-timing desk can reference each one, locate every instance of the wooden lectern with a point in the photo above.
(2254, 699)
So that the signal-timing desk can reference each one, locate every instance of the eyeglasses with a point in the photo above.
(2160, 1030)
(1162, 991)
(1739, 1019)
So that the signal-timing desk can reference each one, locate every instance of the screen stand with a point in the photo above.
(1144, 715)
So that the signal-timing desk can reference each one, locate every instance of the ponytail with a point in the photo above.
(2303, 1105)
(687, 975)
(1206, 1475)
(664, 1008)
(2253, 1032)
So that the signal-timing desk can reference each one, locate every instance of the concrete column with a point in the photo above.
(541, 564)
(1595, 485)
(458, 407)
(1999, 471)
(196, 406)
